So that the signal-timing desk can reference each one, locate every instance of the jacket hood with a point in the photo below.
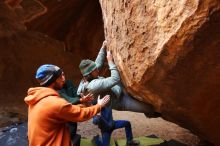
(38, 93)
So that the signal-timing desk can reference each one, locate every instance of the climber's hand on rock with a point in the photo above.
(109, 56)
(104, 44)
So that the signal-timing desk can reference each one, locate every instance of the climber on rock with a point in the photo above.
(93, 83)
(97, 85)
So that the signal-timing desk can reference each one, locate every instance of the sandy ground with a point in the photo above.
(142, 126)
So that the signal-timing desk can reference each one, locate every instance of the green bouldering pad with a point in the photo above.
(88, 142)
(144, 141)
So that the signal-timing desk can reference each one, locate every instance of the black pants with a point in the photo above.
(75, 138)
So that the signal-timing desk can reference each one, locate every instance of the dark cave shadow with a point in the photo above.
(170, 143)
(167, 143)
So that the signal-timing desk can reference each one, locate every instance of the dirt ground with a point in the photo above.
(142, 126)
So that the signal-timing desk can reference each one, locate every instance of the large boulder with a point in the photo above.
(168, 55)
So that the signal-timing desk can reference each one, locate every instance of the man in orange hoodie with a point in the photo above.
(48, 113)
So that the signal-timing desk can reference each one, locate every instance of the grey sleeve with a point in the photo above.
(98, 85)
(100, 58)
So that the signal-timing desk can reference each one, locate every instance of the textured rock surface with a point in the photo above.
(26, 10)
(168, 55)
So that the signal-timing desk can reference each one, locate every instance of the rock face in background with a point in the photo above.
(24, 49)
(168, 55)
(76, 22)
(26, 10)
(22, 52)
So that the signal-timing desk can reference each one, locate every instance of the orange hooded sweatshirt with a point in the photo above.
(48, 114)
